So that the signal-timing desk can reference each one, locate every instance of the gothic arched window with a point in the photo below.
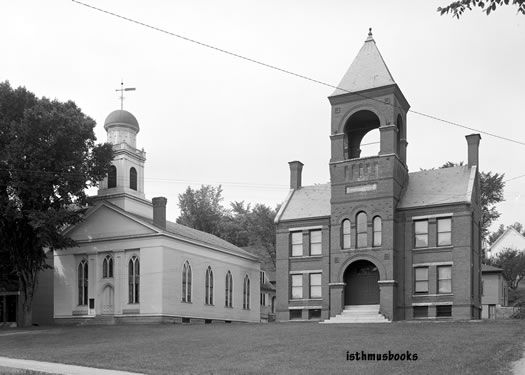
(209, 286)
(133, 279)
(229, 289)
(186, 282)
(246, 293)
(107, 266)
(112, 177)
(345, 234)
(378, 228)
(83, 283)
(133, 178)
(362, 238)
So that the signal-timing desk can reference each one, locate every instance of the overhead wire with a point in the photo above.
(286, 71)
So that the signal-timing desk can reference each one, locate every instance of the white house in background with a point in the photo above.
(510, 239)
(133, 265)
(495, 292)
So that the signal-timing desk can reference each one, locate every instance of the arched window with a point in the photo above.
(229, 290)
(83, 283)
(133, 178)
(107, 266)
(246, 293)
(209, 286)
(377, 224)
(112, 177)
(345, 234)
(362, 240)
(133, 279)
(186, 282)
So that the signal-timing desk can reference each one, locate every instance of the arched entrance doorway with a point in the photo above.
(361, 279)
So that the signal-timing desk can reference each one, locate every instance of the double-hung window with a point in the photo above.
(297, 244)
(444, 279)
(421, 233)
(421, 280)
(444, 232)
(297, 286)
(315, 242)
(315, 285)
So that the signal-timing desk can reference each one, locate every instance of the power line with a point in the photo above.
(258, 62)
(191, 182)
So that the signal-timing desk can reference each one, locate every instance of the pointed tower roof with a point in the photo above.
(368, 70)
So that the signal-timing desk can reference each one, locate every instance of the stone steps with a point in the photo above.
(358, 314)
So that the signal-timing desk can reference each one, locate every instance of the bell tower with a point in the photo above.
(365, 190)
(124, 185)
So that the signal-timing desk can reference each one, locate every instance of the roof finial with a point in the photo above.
(122, 89)
(370, 37)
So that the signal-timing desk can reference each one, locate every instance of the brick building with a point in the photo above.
(406, 245)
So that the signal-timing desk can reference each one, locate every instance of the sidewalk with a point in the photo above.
(58, 368)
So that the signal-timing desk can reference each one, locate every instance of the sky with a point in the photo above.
(210, 118)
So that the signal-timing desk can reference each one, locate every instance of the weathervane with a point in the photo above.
(122, 89)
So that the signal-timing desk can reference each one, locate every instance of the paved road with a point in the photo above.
(58, 368)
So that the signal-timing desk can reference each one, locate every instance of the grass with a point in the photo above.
(487, 347)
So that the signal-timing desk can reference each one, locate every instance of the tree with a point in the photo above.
(240, 225)
(48, 158)
(201, 209)
(512, 262)
(491, 193)
(458, 7)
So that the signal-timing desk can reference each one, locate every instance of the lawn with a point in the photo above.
(486, 347)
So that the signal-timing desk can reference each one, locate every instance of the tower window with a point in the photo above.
(377, 231)
(112, 177)
(362, 236)
(346, 234)
(133, 178)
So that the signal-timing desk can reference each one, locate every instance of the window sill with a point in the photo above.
(433, 295)
(306, 257)
(305, 299)
(209, 304)
(434, 248)
(186, 302)
(362, 248)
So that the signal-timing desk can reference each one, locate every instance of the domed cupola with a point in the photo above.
(122, 127)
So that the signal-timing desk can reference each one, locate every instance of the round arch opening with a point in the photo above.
(361, 278)
(356, 128)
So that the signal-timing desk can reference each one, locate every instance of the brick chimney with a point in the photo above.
(473, 149)
(296, 171)
(159, 211)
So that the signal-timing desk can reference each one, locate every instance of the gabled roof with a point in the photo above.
(510, 239)
(179, 231)
(485, 268)
(439, 186)
(368, 70)
(197, 235)
(306, 202)
(425, 188)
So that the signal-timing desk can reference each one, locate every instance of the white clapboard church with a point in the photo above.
(133, 265)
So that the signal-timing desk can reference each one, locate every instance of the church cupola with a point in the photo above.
(122, 127)
(126, 174)
(368, 99)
